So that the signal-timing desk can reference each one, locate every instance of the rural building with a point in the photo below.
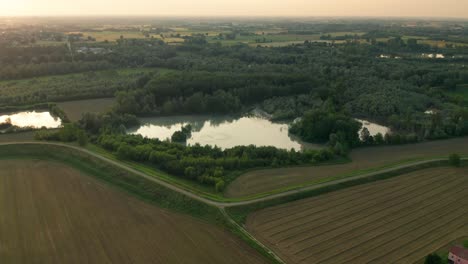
(458, 255)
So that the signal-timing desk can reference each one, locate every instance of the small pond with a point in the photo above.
(224, 131)
(373, 128)
(31, 119)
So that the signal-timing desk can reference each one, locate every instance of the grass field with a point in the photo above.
(75, 109)
(398, 220)
(363, 160)
(279, 40)
(112, 35)
(52, 213)
(17, 137)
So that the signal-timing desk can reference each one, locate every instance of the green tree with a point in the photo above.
(82, 137)
(455, 160)
(125, 151)
(68, 133)
(433, 259)
(365, 135)
(220, 186)
(179, 137)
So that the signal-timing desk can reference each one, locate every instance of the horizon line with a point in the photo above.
(228, 16)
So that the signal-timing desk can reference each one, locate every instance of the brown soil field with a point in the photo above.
(399, 220)
(51, 213)
(74, 109)
(260, 181)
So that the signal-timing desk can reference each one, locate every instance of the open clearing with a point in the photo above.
(260, 181)
(399, 220)
(52, 213)
(75, 109)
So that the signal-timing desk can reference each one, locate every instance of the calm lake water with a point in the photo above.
(373, 128)
(224, 132)
(31, 119)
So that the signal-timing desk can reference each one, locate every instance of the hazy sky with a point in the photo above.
(425, 8)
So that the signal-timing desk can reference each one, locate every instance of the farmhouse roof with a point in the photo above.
(459, 252)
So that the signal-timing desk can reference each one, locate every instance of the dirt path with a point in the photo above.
(217, 203)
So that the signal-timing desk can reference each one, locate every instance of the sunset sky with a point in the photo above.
(418, 8)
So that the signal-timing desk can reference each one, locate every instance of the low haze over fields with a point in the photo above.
(421, 8)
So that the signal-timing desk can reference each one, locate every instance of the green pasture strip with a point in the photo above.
(17, 108)
(230, 177)
(240, 213)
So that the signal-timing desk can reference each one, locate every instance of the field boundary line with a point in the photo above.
(251, 237)
(221, 204)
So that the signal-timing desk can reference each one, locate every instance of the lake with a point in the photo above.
(224, 131)
(31, 119)
(373, 128)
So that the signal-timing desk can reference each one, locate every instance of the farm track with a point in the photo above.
(392, 224)
(208, 200)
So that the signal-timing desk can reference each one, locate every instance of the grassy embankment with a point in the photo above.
(209, 193)
(192, 186)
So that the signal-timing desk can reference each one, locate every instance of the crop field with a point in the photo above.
(75, 109)
(442, 43)
(52, 213)
(399, 220)
(279, 40)
(112, 35)
(260, 181)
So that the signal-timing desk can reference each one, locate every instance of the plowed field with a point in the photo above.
(51, 213)
(399, 220)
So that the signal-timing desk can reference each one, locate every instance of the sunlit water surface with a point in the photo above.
(31, 119)
(224, 132)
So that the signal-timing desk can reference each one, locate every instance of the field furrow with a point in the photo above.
(399, 220)
(358, 209)
(318, 204)
(378, 238)
(349, 233)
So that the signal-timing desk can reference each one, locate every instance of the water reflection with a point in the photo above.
(31, 119)
(224, 131)
(373, 128)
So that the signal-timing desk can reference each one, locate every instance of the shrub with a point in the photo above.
(433, 259)
(455, 160)
(220, 186)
